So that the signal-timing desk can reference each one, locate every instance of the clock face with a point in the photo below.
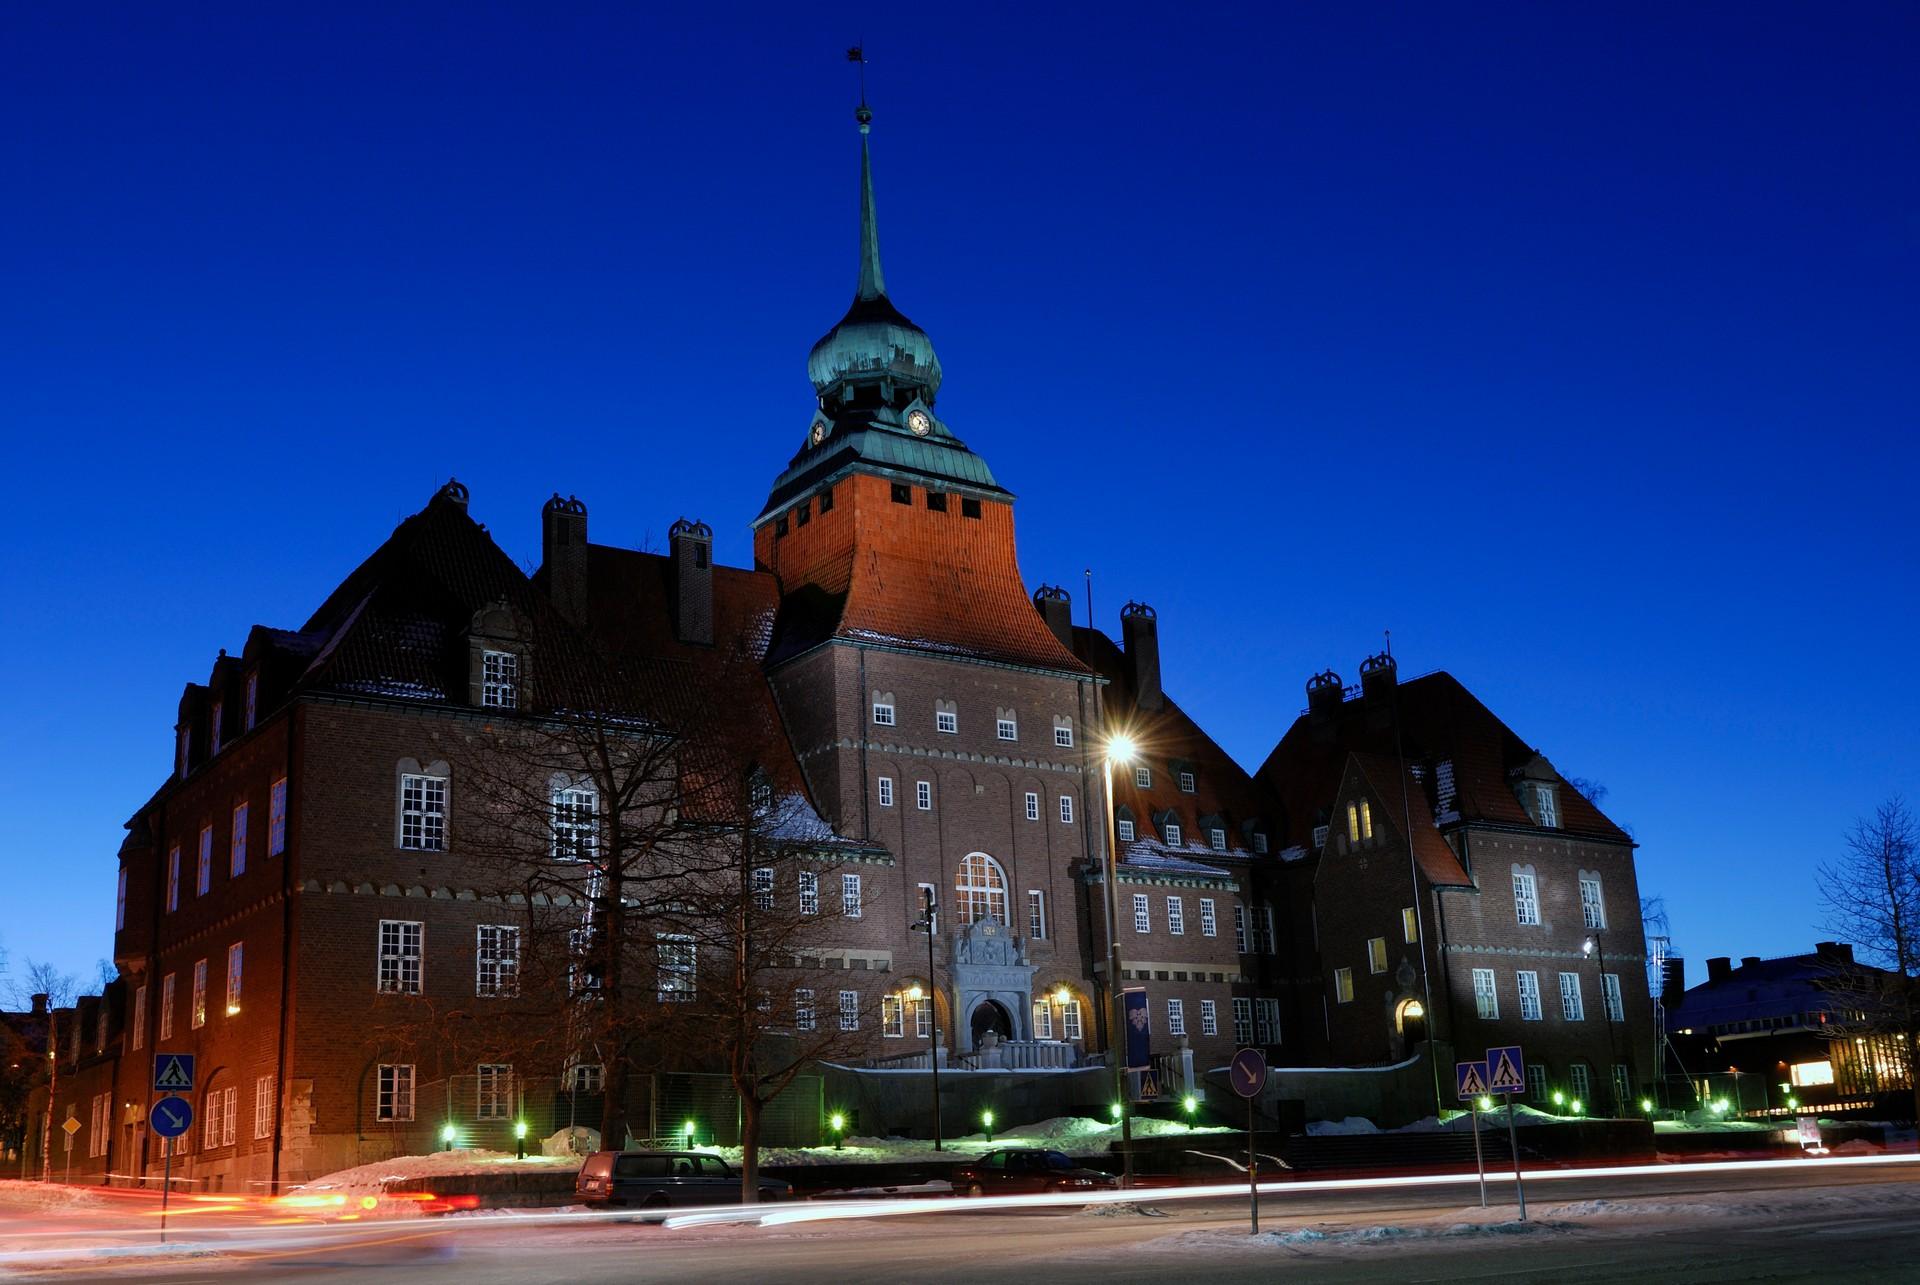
(920, 422)
(819, 434)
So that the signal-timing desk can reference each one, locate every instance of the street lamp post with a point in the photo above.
(1119, 750)
(933, 1012)
(1591, 946)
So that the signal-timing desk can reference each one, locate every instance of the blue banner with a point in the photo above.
(1133, 1004)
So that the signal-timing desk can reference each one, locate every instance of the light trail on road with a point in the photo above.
(277, 1239)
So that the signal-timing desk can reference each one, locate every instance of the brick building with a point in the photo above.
(306, 903)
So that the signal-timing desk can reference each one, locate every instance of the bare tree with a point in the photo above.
(1872, 895)
(1587, 788)
(43, 978)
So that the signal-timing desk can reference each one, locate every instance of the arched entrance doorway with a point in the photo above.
(1413, 1022)
(991, 1016)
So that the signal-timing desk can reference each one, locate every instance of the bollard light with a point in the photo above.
(1189, 1104)
(1114, 1111)
(686, 1131)
(1575, 1106)
(1559, 1098)
(1485, 1103)
(520, 1138)
(838, 1123)
(447, 1134)
(986, 1122)
(1646, 1104)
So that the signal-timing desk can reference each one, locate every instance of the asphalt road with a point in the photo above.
(1866, 1227)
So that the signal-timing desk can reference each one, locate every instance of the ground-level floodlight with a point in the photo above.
(986, 1122)
(838, 1123)
(448, 1133)
(520, 1138)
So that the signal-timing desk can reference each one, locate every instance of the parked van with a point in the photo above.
(658, 1179)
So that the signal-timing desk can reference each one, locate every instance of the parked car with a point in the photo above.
(1015, 1170)
(658, 1179)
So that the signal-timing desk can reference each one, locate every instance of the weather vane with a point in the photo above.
(858, 54)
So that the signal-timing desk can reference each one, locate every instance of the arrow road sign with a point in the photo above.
(1506, 1070)
(1248, 1072)
(171, 1117)
(173, 1072)
(1471, 1078)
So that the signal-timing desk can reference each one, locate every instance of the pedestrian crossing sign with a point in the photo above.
(1506, 1070)
(1472, 1079)
(173, 1073)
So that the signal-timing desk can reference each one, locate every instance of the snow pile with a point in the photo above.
(1636, 1209)
(371, 1179)
(1352, 1125)
(1075, 1135)
(578, 1141)
(1122, 1209)
(46, 1197)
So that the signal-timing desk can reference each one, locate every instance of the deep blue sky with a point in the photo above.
(1575, 344)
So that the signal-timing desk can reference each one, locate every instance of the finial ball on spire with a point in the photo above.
(864, 115)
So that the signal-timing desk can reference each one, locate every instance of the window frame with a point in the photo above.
(1033, 805)
(1176, 1010)
(236, 974)
(1526, 983)
(496, 963)
(1486, 995)
(237, 842)
(1142, 913)
(1573, 1004)
(393, 1092)
(1526, 899)
(981, 890)
(1209, 1017)
(884, 788)
(393, 948)
(1176, 916)
(499, 679)
(676, 968)
(425, 799)
(1376, 955)
(850, 895)
(197, 1011)
(1593, 910)
(849, 1010)
(884, 714)
(277, 817)
(1209, 918)
(923, 796)
(495, 1095)
(1343, 986)
(1006, 729)
(809, 891)
(1037, 913)
(1066, 809)
(1242, 1008)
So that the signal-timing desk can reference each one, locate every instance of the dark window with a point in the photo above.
(640, 1166)
(780, 525)
(826, 500)
(969, 508)
(806, 512)
(937, 501)
(902, 493)
(700, 557)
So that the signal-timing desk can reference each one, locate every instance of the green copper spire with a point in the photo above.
(873, 280)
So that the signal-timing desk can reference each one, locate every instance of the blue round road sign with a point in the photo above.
(1248, 1072)
(171, 1117)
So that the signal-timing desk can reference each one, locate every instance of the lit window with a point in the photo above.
(496, 960)
(499, 680)
(197, 1015)
(675, 958)
(1176, 1016)
(883, 713)
(1409, 925)
(923, 795)
(849, 895)
(1209, 1018)
(1033, 806)
(1343, 986)
(763, 888)
(1066, 809)
(1571, 1007)
(1809, 1074)
(237, 849)
(923, 1017)
(1209, 926)
(395, 1094)
(1036, 913)
(1070, 1019)
(849, 1010)
(203, 872)
(399, 960)
(980, 889)
(1529, 983)
(803, 1009)
(1486, 1000)
(575, 824)
(1142, 913)
(493, 1091)
(886, 791)
(1186, 783)
(1376, 955)
(1125, 829)
(235, 956)
(1593, 907)
(1176, 917)
(1143, 777)
(1366, 819)
(809, 892)
(277, 818)
(166, 1007)
(1526, 898)
(1242, 1021)
(423, 812)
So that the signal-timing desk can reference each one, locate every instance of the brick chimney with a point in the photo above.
(1325, 693)
(1834, 952)
(692, 545)
(39, 1004)
(1055, 606)
(1140, 631)
(1378, 677)
(1719, 968)
(1749, 961)
(563, 548)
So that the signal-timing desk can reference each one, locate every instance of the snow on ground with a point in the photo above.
(371, 1179)
(46, 1198)
(1076, 1135)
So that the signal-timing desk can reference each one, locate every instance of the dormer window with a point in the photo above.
(253, 698)
(182, 738)
(1124, 825)
(1143, 777)
(1260, 842)
(1187, 783)
(803, 514)
(1171, 833)
(1546, 804)
(1217, 839)
(500, 680)
(213, 735)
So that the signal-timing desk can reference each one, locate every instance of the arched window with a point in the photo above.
(981, 889)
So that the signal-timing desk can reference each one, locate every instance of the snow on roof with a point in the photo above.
(1150, 854)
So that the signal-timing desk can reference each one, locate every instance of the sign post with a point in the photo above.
(1248, 1075)
(170, 1116)
(69, 1126)
(1471, 1079)
(1507, 1073)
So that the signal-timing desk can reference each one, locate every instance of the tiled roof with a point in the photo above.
(1168, 736)
(1782, 987)
(1439, 721)
(1394, 784)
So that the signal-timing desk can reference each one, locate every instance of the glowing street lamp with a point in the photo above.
(1120, 749)
(1115, 1111)
(986, 1122)
(1485, 1103)
(686, 1132)
(520, 1138)
(1646, 1104)
(1575, 1105)
(838, 1123)
(448, 1133)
